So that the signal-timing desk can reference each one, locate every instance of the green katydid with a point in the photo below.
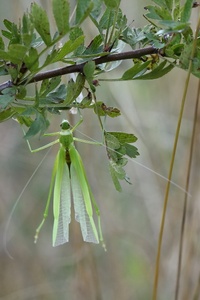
(68, 168)
(69, 174)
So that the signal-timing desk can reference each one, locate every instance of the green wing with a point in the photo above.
(82, 197)
(81, 214)
(61, 202)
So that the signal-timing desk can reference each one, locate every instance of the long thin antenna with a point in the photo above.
(143, 166)
(15, 205)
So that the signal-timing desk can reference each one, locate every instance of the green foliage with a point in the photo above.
(112, 3)
(40, 22)
(186, 12)
(38, 125)
(28, 48)
(7, 97)
(102, 110)
(61, 14)
(74, 89)
(173, 31)
(118, 145)
(84, 8)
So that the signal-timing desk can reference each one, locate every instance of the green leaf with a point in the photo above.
(6, 34)
(95, 46)
(121, 22)
(112, 3)
(27, 39)
(185, 56)
(50, 58)
(114, 177)
(131, 151)
(169, 4)
(196, 67)
(37, 42)
(13, 33)
(172, 26)
(27, 31)
(74, 89)
(8, 24)
(61, 12)
(164, 3)
(39, 125)
(75, 33)
(13, 72)
(40, 20)
(123, 137)
(32, 60)
(26, 24)
(135, 70)
(5, 100)
(111, 141)
(17, 53)
(3, 70)
(2, 46)
(4, 55)
(111, 111)
(107, 19)
(48, 86)
(27, 121)
(83, 9)
(7, 114)
(67, 48)
(21, 92)
(158, 72)
(177, 12)
(102, 110)
(187, 9)
(117, 145)
(86, 101)
(29, 111)
(132, 36)
(117, 172)
(7, 97)
(89, 69)
(58, 96)
(152, 13)
(158, 13)
(96, 11)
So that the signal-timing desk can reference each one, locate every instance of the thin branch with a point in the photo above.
(5, 85)
(79, 67)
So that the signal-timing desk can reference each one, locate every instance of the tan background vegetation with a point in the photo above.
(130, 219)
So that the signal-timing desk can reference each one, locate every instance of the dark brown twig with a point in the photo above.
(79, 67)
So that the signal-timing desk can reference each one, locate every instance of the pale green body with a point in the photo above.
(69, 175)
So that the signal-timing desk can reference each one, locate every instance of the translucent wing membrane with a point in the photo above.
(81, 214)
(62, 203)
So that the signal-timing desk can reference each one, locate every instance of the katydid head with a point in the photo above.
(65, 125)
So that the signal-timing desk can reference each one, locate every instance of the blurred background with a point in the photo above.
(130, 219)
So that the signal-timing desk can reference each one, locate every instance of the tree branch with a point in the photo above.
(79, 67)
